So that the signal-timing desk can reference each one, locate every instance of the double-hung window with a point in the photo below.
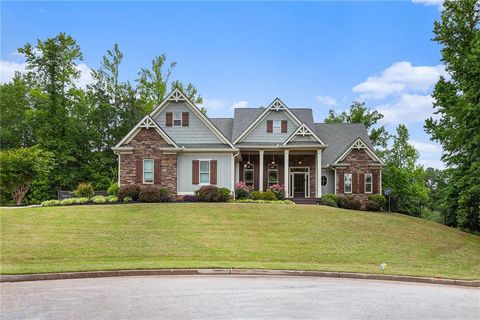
(368, 183)
(248, 174)
(148, 171)
(348, 182)
(272, 174)
(277, 126)
(177, 119)
(204, 171)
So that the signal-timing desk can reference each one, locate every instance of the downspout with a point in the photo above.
(233, 174)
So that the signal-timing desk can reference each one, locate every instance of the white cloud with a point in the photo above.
(438, 3)
(8, 69)
(326, 101)
(437, 164)
(213, 104)
(399, 78)
(426, 147)
(240, 104)
(408, 109)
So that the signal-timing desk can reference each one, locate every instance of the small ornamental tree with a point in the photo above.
(19, 167)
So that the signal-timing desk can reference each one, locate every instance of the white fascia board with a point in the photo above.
(194, 108)
(369, 151)
(310, 132)
(270, 107)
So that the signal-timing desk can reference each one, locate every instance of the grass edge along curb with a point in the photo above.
(233, 272)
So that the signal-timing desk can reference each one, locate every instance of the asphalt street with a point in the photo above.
(227, 297)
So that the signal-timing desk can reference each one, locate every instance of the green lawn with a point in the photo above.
(140, 236)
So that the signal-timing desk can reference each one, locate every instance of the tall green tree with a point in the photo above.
(457, 106)
(404, 176)
(359, 113)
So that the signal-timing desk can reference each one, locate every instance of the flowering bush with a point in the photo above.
(278, 190)
(242, 191)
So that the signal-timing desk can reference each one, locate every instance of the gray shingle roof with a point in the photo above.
(204, 145)
(338, 137)
(224, 125)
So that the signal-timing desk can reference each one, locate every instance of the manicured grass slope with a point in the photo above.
(231, 235)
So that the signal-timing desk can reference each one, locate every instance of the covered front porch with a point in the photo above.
(299, 171)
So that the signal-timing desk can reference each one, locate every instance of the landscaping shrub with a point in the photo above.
(84, 190)
(149, 194)
(127, 199)
(131, 190)
(225, 194)
(278, 190)
(265, 201)
(70, 201)
(51, 203)
(328, 202)
(112, 199)
(242, 191)
(209, 194)
(373, 205)
(432, 215)
(113, 189)
(164, 195)
(378, 198)
(190, 198)
(329, 198)
(349, 202)
(268, 195)
(99, 199)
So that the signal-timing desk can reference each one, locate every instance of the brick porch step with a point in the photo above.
(304, 200)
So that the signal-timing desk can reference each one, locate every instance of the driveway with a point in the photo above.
(221, 297)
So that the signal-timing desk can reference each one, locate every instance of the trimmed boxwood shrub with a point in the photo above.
(131, 190)
(329, 200)
(379, 199)
(113, 189)
(225, 194)
(84, 190)
(209, 194)
(373, 205)
(267, 195)
(149, 194)
(349, 202)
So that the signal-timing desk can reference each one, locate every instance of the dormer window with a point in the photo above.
(177, 119)
(277, 126)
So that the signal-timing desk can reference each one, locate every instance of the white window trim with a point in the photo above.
(279, 128)
(371, 183)
(153, 171)
(173, 119)
(344, 182)
(252, 170)
(326, 184)
(200, 172)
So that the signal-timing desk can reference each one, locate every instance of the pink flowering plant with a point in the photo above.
(278, 190)
(242, 191)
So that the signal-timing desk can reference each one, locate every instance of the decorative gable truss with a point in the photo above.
(359, 144)
(277, 105)
(176, 96)
(304, 131)
(146, 123)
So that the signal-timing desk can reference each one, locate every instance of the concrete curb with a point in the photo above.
(233, 272)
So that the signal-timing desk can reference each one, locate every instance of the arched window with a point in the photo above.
(324, 181)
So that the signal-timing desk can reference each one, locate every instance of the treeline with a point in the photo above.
(75, 128)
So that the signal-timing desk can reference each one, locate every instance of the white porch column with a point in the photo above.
(260, 175)
(232, 174)
(286, 173)
(318, 170)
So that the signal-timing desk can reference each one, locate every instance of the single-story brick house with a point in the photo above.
(178, 147)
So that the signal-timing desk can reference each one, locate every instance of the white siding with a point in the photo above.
(329, 188)
(196, 132)
(259, 133)
(184, 170)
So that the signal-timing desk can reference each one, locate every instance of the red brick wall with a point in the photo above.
(146, 145)
(358, 164)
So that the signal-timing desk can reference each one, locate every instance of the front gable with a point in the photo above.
(356, 146)
(303, 135)
(199, 130)
(258, 130)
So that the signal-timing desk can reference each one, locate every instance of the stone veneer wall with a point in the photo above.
(146, 145)
(358, 161)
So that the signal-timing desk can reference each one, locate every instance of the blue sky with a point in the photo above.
(313, 54)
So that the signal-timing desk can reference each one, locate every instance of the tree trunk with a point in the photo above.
(19, 193)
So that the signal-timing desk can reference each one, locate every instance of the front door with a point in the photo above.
(299, 185)
(299, 182)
